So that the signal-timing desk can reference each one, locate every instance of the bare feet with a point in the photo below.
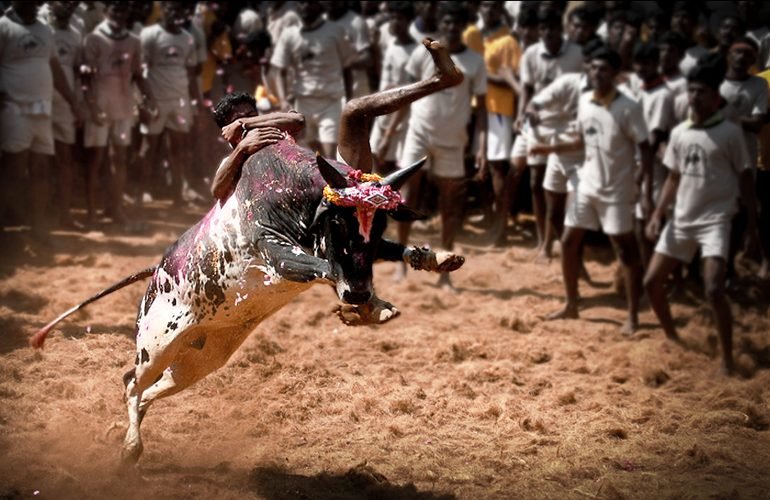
(400, 274)
(446, 72)
(446, 284)
(629, 327)
(542, 257)
(570, 311)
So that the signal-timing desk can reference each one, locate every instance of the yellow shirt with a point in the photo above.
(764, 134)
(501, 50)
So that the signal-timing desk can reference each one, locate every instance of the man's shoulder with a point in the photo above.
(533, 50)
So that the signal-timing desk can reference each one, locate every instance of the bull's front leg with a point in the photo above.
(420, 258)
(290, 262)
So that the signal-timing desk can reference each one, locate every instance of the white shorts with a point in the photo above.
(23, 132)
(561, 174)
(499, 136)
(396, 146)
(322, 118)
(682, 243)
(63, 121)
(116, 132)
(446, 162)
(521, 150)
(173, 114)
(588, 212)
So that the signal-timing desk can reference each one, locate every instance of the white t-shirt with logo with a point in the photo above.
(539, 68)
(611, 135)
(168, 57)
(69, 46)
(443, 116)
(745, 98)
(710, 161)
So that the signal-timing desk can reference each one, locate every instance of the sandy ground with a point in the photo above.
(464, 396)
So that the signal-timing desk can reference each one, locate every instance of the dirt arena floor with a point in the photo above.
(469, 396)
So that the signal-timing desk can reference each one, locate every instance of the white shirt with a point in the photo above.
(745, 98)
(167, 56)
(443, 116)
(710, 161)
(611, 135)
(558, 107)
(539, 68)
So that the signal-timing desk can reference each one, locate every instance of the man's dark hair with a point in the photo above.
(549, 17)
(689, 7)
(675, 39)
(527, 16)
(406, 9)
(258, 41)
(646, 51)
(607, 54)
(454, 9)
(224, 108)
(747, 40)
(587, 14)
(591, 46)
(709, 70)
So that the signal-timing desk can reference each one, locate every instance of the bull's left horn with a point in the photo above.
(333, 177)
(399, 177)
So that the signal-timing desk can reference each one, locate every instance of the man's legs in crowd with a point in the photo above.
(714, 270)
(118, 172)
(628, 253)
(39, 178)
(176, 142)
(658, 270)
(64, 168)
(571, 243)
(95, 158)
(554, 224)
(452, 194)
(537, 174)
(15, 178)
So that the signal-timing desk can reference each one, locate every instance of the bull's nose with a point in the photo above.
(356, 298)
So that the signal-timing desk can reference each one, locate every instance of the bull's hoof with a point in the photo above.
(424, 259)
(130, 454)
(374, 312)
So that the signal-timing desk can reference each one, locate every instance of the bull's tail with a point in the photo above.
(38, 338)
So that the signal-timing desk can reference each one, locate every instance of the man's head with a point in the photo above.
(117, 14)
(742, 56)
(657, 23)
(491, 13)
(589, 48)
(550, 29)
(452, 20)
(582, 25)
(254, 48)
(604, 67)
(309, 12)
(401, 17)
(527, 26)
(703, 84)
(172, 15)
(684, 18)
(672, 48)
(233, 107)
(27, 11)
(616, 25)
(62, 11)
(646, 57)
(731, 28)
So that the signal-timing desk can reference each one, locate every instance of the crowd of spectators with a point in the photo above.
(645, 120)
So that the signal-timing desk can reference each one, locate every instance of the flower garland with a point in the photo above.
(367, 196)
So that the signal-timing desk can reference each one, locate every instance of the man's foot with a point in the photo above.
(585, 276)
(629, 327)
(727, 368)
(446, 71)
(674, 337)
(570, 311)
(445, 283)
(542, 257)
(400, 274)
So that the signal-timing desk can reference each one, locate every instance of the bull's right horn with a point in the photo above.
(333, 177)
(399, 177)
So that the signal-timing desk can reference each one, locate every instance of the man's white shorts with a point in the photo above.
(116, 132)
(446, 162)
(322, 118)
(588, 212)
(682, 243)
(396, 146)
(173, 114)
(499, 136)
(521, 150)
(561, 174)
(23, 132)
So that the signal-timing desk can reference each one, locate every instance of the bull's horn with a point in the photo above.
(333, 177)
(399, 177)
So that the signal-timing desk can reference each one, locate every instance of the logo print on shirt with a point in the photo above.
(29, 43)
(592, 132)
(695, 160)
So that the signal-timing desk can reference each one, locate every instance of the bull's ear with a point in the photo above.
(402, 213)
(333, 177)
(399, 177)
(322, 207)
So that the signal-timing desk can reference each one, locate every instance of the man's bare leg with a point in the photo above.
(500, 171)
(412, 193)
(555, 204)
(358, 114)
(714, 271)
(570, 268)
(39, 165)
(176, 142)
(64, 170)
(628, 254)
(147, 162)
(118, 182)
(452, 193)
(94, 162)
(654, 281)
(537, 174)
(14, 176)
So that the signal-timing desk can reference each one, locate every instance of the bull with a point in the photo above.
(293, 220)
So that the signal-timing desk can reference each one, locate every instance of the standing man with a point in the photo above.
(541, 64)
(69, 51)
(708, 168)
(611, 127)
(169, 52)
(437, 126)
(318, 53)
(112, 58)
(29, 72)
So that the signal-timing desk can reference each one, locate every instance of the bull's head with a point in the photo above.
(351, 220)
